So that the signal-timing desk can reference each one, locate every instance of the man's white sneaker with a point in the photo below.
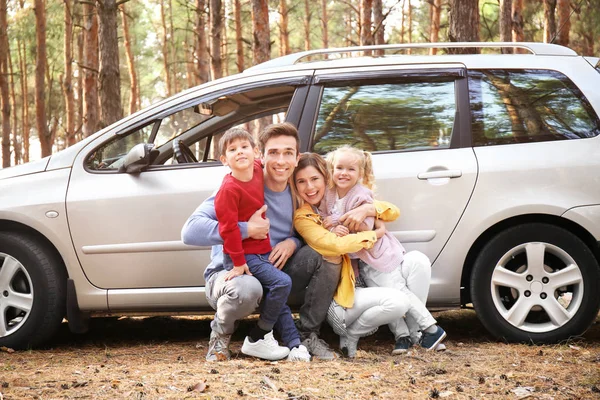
(267, 348)
(299, 353)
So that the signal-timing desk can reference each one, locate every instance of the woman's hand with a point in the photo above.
(238, 271)
(328, 223)
(340, 230)
(379, 229)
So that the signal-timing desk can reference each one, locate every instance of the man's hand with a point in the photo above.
(282, 252)
(353, 218)
(238, 271)
(380, 229)
(258, 227)
(340, 230)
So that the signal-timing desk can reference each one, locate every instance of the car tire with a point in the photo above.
(521, 297)
(32, 291)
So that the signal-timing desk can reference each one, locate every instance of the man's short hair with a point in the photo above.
(232, 134)
(275, 130)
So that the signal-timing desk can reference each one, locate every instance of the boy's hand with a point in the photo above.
(237, 271)
(340, 230)
(282, 252)
(258, 227)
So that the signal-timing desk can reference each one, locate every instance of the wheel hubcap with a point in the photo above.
(537, 287)
(17, 295)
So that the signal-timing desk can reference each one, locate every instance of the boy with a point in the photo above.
(240, 195)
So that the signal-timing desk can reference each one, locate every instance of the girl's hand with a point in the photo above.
(238, 271)
(328, 223)
(379, 229)
(340, 230)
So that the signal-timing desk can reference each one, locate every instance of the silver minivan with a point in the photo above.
(490, 158)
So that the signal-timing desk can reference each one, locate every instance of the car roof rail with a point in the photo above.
(540, 49)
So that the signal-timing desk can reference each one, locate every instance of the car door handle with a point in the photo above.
(446, 173)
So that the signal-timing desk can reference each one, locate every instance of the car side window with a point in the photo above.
(521, 106)
(404, 116)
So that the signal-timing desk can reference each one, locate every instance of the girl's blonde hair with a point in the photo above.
(364, 160)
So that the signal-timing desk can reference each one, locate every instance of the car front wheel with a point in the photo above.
(535, 283)
(32, 291)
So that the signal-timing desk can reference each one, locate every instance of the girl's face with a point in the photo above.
(346, 172)
(310, 185)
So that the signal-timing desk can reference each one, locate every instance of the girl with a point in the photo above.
(386, 264)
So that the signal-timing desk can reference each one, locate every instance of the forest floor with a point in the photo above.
(163, 358)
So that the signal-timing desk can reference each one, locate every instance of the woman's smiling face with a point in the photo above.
(310, 185)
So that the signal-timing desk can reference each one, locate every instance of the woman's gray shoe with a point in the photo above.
(218, 347)
(318, 348)
(348, 346)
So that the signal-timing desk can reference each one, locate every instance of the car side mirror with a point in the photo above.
(139, 158)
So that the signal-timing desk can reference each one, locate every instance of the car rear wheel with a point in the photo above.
(535, 283)
(32, 291)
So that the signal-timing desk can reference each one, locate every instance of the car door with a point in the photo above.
(126, 227)
(415, 122)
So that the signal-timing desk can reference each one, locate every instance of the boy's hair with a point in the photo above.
(275, 130)
(232, 134)
(365, 163)
(309, 160)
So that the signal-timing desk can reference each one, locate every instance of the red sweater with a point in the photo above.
(237, 201)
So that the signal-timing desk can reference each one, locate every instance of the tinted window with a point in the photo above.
(389, 116)
(520, 106)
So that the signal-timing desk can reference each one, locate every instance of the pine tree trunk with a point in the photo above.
(224, 47)
(24, 100)
(165, 48)
(564, 23)
(110, 79)
(409, 26)
(79, 122)
(239, 42)
(463, 19)
(307, 18)
(91, 67)
(518, 34)
(284, 34)
(366, 37)
(216, 30)
(134, 92)
(174, 64)
(549, 20)
(378, 25)
(324, 23)
(505, 23)
(40, 75)
(261, 43)
(4, 93)
(202, 57)
(13, 99)
(67, 82)
(436, 8)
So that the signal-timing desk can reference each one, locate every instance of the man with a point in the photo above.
(312, 277)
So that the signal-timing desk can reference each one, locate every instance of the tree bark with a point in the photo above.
(549, 20)
(202, 57)
(110, 79)
(4, 94)
(67, 82)
(216, 30)
(239, 42)
(165, 48)
(564, 22)
(324, 23)
(307, 18)
(366, 36)
(91, 68)
(24, 101)
(505, 23)
(284, 34)
(40, 75)
(79, 121)
(518, 34)
(463, 18)
(13, 99)
(409, 51)
(134, 92)
(402, 22)
(172, 40)
(436, 8)
(378, 25)
(261, 44)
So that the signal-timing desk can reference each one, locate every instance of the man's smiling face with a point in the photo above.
(280, 159)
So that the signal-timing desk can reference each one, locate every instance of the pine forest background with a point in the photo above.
(70, 67)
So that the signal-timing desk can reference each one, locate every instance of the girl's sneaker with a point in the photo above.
(299, 353)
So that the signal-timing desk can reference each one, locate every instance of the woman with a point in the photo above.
(355, 312)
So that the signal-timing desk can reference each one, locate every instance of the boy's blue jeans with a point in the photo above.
(274, 311)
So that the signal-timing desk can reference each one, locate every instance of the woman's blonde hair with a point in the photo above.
(364, 160)
(308, 160)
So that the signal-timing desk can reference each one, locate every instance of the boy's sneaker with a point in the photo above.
(266, 348)
(318, 348)
(218, 347)
(348, 346)
(430, 341)
(299, 353)
(402, 345)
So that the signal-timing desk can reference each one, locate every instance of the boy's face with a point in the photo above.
(239, 155)
(280, 158)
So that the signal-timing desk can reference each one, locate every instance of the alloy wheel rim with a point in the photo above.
(16, 295)
(537, 287)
